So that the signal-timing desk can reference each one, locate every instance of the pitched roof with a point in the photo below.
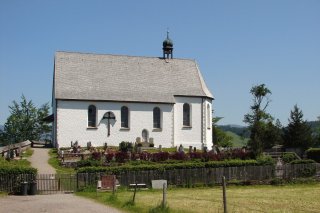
(82, 76)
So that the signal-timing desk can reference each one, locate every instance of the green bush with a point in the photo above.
(17, 170)
(314, 154)
(265, 160)
(288, 157)
(302, 161)
(184, 165)
(16, 167)
(88, 162)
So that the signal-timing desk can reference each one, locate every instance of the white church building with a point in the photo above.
(102, 98)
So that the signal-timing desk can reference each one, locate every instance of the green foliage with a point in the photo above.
(314, 154)
(221, 138)
(258, 119)
(288, 157)
(265, 160)
(25, 122)
(125, 146)
(302, 161)
(88, 162)
(298, 133)
(16, 167)
(184, 165)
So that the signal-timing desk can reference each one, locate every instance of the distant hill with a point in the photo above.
(237, 140)
(236, 129)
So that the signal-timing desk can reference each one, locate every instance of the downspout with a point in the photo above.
(173, 125)
(202, 122)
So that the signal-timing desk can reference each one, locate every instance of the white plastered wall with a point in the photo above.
(72, 123)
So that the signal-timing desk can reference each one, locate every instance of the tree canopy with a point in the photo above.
(298, 133)
(25, 122)
(263, 133)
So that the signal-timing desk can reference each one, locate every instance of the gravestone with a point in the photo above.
(194, 149)
(89, 145)
(108, 182)
(190, 149)
(279, 169)
(160, 148)
(138, 140)
(180, 148)
(158, 184)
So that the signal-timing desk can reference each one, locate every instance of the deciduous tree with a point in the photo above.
(25, 122)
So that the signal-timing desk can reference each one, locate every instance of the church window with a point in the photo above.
(92, 114)
(156, 118)
(145, 135)
(208, 116)
(186, 115)
(124, 117)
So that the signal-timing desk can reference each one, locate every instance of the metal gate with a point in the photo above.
(56, 183)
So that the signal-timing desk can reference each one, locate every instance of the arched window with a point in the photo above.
(92, 114)
(124, 117)
(156, 118)
(145, 135)
(186, 115)
(208, 116)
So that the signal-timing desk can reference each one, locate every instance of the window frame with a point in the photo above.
(92, 116)
(157, 124)
(124, 120)
(186, 115)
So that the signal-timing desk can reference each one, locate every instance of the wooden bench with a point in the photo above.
(141, 186)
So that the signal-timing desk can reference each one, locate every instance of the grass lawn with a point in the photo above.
(54, 162)
(27, 153)
(288, 198)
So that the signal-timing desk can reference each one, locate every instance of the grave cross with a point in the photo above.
(109, 116)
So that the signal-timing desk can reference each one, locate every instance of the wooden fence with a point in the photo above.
(62, 183)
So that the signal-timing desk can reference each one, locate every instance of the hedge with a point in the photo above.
(314, 154)
(302, 161)
(185, 165)
(6, 169)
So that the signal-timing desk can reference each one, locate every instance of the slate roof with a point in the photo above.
(85, 76)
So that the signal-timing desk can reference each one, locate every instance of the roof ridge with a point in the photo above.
(109, 54)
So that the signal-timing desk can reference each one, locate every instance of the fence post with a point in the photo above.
(164, 195)
(224, 194)
(134, 194)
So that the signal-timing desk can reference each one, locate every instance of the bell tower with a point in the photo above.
(167, 47)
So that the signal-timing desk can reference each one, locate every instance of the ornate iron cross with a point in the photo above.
(108, 116)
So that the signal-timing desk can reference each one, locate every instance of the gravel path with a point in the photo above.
(54, 203)
(57, 203)
(39, 160)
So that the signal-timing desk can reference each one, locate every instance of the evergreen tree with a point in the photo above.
(25, 122)
(298, 133)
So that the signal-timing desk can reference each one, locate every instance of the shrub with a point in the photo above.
(96, 155)
(179, 156)
(160, 156)
(265, 160)
(121, 157)
(84, 163)
(314, 154)
(288, 157)
(302, 161)
(166, 166)
(125, 146)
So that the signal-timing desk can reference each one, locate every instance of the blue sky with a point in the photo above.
(237, 44)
